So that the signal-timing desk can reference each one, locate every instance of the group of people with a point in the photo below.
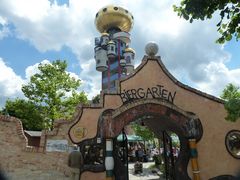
(138, 152)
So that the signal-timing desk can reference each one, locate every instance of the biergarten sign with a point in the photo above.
(155, 92)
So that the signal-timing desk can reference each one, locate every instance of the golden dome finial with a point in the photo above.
(113, 17)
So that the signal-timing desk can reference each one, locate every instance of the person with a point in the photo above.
(148, 153)
(131, 152)
(75, 161)
(140, 154)
(136, 151)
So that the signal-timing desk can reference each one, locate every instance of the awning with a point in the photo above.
(34, 133)
(130, 138)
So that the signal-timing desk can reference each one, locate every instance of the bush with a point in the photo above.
(157, 159)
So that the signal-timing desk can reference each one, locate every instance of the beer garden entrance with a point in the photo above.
(160, 117)
(121, 157)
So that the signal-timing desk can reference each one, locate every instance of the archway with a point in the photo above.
(159, 116)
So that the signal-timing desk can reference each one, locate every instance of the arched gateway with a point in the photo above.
(153, 96)
(159, 115)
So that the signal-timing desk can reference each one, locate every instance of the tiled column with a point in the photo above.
(194, 160)
(109, 161)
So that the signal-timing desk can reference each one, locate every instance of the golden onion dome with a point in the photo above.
(113, 16)
(105, 34)
(111, 42)
(129, 50)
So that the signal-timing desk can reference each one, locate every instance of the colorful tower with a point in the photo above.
(114, 58)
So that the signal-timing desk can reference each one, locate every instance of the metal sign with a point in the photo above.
(57, 146)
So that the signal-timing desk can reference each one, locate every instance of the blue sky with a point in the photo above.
(32, 31)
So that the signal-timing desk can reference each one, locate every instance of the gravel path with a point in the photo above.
(147, 174)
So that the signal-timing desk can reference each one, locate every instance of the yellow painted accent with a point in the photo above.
(105, 34)
(79, 132)
(129, 50)
(194, 164)
(111, 42)
(192, 143)
(196, 176)
(194, 161)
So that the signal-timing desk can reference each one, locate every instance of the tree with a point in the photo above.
(28, 112)
(144, 132)
(232, 96)
(55, 91)
(229, 11)
(96, 99)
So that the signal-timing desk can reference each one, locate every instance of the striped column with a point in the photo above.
(194, 160)
(109, 161)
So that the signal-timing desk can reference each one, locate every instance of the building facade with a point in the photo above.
(163, 103)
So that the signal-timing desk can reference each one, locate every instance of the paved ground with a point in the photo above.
(147, 173)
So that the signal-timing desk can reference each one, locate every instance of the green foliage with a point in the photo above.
(28, 112)
(229, 11)
(232, 96)
(142, 131)
(96, 99)
(51, 93)
(55, 90)
(158, 159)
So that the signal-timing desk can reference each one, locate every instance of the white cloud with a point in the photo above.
(91, 82)
(4, 30)
(33, 69)
(218, 77)
(10, 83)
(50, 26)
(188, 50)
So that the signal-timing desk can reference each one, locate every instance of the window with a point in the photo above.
(232, 142)
(132, 56)
(128, 60)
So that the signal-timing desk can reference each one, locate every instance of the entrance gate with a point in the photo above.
(120, 155)
(168, 156)
(158, 115)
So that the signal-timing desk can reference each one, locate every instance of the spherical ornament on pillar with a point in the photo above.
(151, 49)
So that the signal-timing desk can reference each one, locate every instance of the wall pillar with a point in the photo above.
(194, 159)
(109, 161)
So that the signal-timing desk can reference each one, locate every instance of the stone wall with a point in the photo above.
(22, 162)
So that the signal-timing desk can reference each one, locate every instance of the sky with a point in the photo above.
(33, 31)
